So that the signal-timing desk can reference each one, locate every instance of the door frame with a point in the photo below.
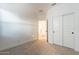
(47, 29)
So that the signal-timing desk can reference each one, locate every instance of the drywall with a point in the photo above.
(14, 29)
(61, 9)
(35, 29)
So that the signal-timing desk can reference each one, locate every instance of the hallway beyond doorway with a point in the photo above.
(42, 30)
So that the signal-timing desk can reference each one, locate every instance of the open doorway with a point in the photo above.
(42, 30)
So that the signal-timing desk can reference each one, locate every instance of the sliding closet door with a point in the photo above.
(57, 30)
(68, 30)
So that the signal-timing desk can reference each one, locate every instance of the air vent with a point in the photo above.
(53, 4)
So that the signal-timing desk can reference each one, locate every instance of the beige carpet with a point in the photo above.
(39, 47)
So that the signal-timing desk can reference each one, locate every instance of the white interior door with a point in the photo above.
(68, 30)
(57, 32)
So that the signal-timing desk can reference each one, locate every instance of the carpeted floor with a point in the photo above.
(39, 47)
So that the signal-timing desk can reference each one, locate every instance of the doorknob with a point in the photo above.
(72, 32)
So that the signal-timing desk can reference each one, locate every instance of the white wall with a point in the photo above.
(61, 9)
(14, 29)
(35, 29)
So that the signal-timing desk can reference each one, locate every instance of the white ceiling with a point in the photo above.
(31, 10)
